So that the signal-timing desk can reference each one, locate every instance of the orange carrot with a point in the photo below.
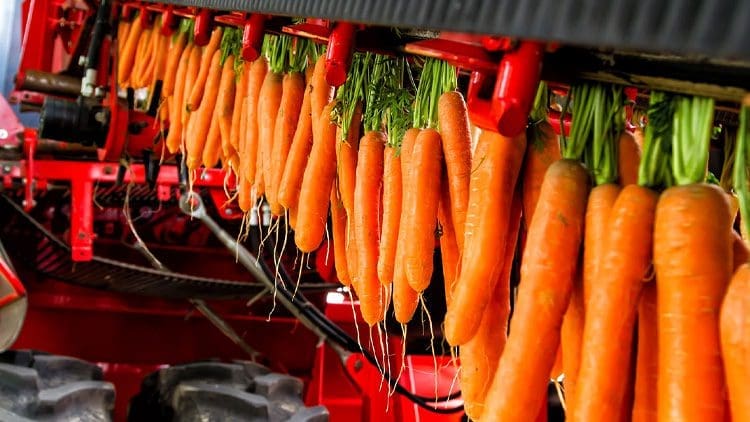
(126, 59)
(191, 73)
(319, 175)
(173, 59)
(498, 162)
(547, 272)
(735, 348)
(212, 149)
(542, 150)
(480, 355)
(240, 93)
(405, 299)
(369, 182)
(175, 111)
(392, 193)
(294, 168)
(249, 154)
(346, 159)
(571, 337)
(162, 55)
(612, 306)
(123, 27)
(421, 208)
(338, 229)
(142, 57)
(740, 251)
(454, 130)
(244, 197)
(647, 366)
(225, 105)
(449, 253)
(628, 159)
(321, 92)
(204, 115)
(152, 53)
(693, 266)
(288, 116)
(599, 207)
(196, 91)
(268, 108)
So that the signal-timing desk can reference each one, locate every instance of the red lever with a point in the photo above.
(252, 37)
(202, 30)
(339, 53)
(167, 20)
(506, 111)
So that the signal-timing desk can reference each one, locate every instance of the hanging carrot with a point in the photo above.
(249, 154)
(211, 151)
(449, 253)
(173, 58)
(126, 59)
(204, 115)
(197, 90)
(628, 159)
(644, 405)
(175, 111)
(338, 230)
(392, 194)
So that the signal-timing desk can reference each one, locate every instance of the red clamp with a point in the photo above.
(168, 20)
(252, 36)
(339, 53)
(507, 109)
(202, 30)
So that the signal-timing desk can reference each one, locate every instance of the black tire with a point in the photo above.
(36, 386)
(215, 391)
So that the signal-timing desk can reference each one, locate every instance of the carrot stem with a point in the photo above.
(437, 78)
(654, 170)
(691, 137)
(740, 167)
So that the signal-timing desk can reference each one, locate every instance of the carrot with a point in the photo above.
(366, 218)
(547, 272)
(346, 159)
(126, 59)
(162, 54)
(498, 162)
(542, 150)
(571, 337)
(454, 130)
(204, 115)
(392, 194)
(196, 91)
(123, 27)
(601, 200)
(734, 323)
(321, 92)
(240, 93)
(191, 73)
(421, 208)
(294, 168)
(449, 253)
(173, 59)
(175, 111)
(319, 174)
(225, 104)
(352, 253)
(405, 299)
(255, 78)
(693, 266)
(612, 305)
(338, 230)
(243, 133)
(288, 116)
(152, 54)
(628, 158)
(646, 369)
(244, 197)
(212, 149)
(740, 251)
(142, 57)
(480, 355)
(268, 108)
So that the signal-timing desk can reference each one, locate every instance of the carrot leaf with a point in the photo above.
(741, 184)
(608, 122)
(654, 170)
(691, 137)
(727, 169)
(437, 77)
(352, 92)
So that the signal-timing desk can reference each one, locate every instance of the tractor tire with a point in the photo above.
(36, 386)
(215, 391)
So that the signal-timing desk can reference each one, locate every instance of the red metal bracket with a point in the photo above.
(464, 51)
(339, 53)
(29, 149)
(517, 79)
(168, 20)
(553, 117)
(315, 29)
(203, 27)
(252, 36)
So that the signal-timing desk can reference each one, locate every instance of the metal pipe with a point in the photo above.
(48, 83)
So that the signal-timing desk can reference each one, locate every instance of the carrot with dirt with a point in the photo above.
(204, 115)
(480, 355)
(175, 110)
(366, 216)
(693, 266)
(317, 181)
(548, 268)
(179, 43)
(129, 50)
(614, 295)
(734, 321)
(405, 299)
(198, 88)
(454, 131)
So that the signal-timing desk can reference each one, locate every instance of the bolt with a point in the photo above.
(107, 170)
(228, 211)
(358, 365)
(6, 169)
